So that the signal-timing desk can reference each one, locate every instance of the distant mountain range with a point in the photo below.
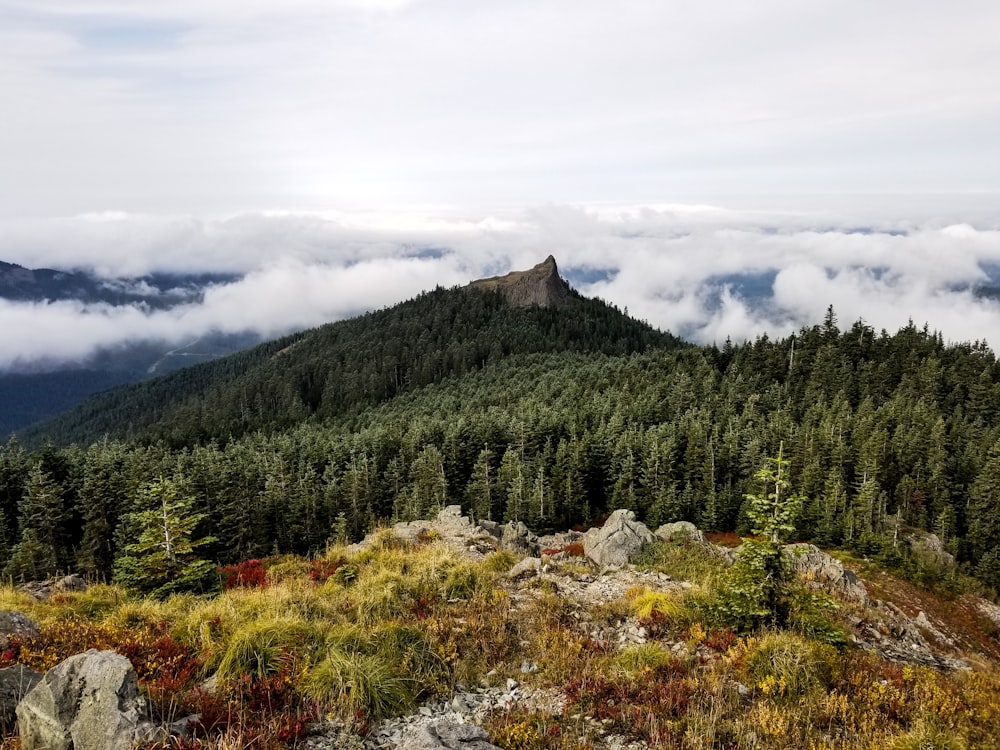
(37, 392)
(159, 291)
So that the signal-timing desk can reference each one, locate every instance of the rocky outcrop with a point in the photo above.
(826, 572)
(17, 625)
(43, 590)
(88, 702)
(518, 538)
(444, 734)
(617, 542)
(540, 285)
(15, 683)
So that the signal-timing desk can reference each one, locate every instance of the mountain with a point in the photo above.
(156, 291)
(349, 365)
(39, 391)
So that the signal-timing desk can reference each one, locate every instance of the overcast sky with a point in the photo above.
(314, 144)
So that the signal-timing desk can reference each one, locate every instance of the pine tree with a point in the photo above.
(756, 590)
(165, 557)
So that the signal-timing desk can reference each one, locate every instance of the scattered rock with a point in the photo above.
(15, 682)
(13, 623)
(88, 702)
(827, 572)
(618, 541)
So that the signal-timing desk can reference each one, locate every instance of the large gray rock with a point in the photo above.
(827, 572)
(617, 542)
(444, 734)
(18, 625)
(15, 683)
(88, 702)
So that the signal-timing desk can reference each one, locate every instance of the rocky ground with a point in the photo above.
(591, 573)
(603, 577)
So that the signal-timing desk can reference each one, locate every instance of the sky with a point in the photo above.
(657, 147)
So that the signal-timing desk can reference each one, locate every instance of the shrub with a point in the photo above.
(786, 665)
(246, 574)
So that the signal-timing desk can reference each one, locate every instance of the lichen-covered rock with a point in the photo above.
(13, 623)
(829, 573)
(518, 538)
(617, 542)
(679, 531)
(529, 566)
(87, 702)
(444, 734)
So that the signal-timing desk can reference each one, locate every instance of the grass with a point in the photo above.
(383, 629)
(683, 561)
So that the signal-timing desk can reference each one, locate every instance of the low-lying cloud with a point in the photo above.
(704, 273)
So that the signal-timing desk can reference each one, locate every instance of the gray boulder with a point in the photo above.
(15, 683)
(528, 567)
(16, 624)
(444, 734)
(518, 538)
(88, 702)
(826, 572)
(680, 531)
(617, 542)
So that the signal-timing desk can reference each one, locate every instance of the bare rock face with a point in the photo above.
(446, 735)
(540, 285)
(13, 623)
(88, 702)
(618, 541)
(817, 567)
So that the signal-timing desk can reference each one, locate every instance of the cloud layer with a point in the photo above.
(704, 272)
(208, 106)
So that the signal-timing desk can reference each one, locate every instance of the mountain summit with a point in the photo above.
(541, 285)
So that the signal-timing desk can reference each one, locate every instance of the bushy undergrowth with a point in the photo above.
(362, 636)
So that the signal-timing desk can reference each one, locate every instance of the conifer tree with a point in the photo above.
(42, 549)
(165, 557)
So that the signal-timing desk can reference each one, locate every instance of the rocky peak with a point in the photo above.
(541, 285)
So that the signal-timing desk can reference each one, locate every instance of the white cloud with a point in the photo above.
(681, 268)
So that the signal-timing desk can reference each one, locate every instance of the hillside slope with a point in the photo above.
(330, 370)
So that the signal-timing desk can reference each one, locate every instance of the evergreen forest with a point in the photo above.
(550, 416)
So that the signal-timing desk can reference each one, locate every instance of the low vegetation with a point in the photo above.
(358, 636)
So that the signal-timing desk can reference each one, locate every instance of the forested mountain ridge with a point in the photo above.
(549, 415)
(324, 372)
